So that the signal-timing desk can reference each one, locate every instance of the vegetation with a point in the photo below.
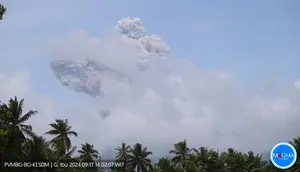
(2, 11)
(18, 142)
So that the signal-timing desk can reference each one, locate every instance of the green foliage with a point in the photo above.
(18, 142)
(61, 130)
(138, 158)
(3, 132)
(2, 11)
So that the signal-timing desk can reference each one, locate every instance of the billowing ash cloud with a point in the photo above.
(131, 27)
(83, 74)
(83, 77)
(154, 44)
(144, 95)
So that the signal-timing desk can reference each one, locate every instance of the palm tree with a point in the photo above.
(36, 149)
(271, 168)
(219, 164)
(55, 155)
(164, 165)
(138, 158)
(15, 108)
(5, 120)
(204, 158)
(2, 11)
(62, 131)
(255, 162)
(61, 149)
(235, 161)
(181, 153)
(14, 131)
(122, 155)
(122, 151)
(296, 144)
(88, 153)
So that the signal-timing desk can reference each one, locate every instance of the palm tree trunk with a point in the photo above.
(138, 168)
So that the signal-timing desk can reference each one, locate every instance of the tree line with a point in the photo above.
(18, 142)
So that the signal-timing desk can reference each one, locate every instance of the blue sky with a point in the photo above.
(250, 39)
(255, 41)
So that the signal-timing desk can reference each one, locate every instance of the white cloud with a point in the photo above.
(297, 84)
(18, 84)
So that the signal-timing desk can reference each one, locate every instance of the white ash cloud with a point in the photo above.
(169, 100)
(132, 27)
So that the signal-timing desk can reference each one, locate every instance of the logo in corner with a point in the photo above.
(283, 155)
